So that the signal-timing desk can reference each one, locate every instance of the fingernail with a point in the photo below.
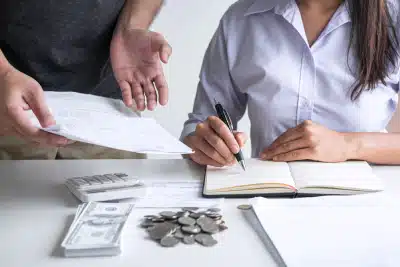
(275, 158)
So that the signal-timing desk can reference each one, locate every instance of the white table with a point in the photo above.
(36, 209)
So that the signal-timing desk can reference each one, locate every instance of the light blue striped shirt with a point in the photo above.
(259, 59)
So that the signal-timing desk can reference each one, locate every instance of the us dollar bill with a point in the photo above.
(96, 230)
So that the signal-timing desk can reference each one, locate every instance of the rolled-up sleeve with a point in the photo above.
(217, 84)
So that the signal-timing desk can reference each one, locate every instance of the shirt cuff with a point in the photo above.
(188, 129)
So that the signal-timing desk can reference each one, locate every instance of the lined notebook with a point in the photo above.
(268, 178)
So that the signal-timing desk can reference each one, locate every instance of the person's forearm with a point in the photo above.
(138, 14)
(378, 148)
(4, 64)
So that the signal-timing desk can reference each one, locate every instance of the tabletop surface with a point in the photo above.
(36, 210)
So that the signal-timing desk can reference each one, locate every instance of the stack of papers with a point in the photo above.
(107, 122)
(341, 231)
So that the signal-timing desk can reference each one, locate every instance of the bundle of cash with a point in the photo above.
(188, 226)
(96, 230)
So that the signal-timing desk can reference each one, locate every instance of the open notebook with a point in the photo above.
(275, 179)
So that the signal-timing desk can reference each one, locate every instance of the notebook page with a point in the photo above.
(356, 231)
(257, 172)
(350, 174)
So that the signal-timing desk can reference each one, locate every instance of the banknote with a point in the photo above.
(96, 229)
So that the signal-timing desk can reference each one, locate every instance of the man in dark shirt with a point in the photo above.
(97, 47)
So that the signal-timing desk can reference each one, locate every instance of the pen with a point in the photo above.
(224, 116)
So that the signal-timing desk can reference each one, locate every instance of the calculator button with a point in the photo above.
(92, 180)
(121, 175)
(78, 182)
(104, 179)
(114, 178)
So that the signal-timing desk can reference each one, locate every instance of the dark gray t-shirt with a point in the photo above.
(63, 44)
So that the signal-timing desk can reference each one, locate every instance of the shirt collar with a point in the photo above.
(261, 6)
(283, 7)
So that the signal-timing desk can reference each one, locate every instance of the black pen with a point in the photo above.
(224, 116)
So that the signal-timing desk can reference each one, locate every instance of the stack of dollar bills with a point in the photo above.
(96, 230)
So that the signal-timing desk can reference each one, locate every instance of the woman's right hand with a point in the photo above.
(214, 144)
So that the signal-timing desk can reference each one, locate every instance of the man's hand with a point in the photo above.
(18, 93)
(309, 141)
(135, 59)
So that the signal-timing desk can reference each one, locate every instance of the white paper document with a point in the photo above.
(175, 194)
(109, 123)
(332, 231)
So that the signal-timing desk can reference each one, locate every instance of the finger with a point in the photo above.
(165, 53)
(151, 96)
(202, 145)
(202, 159)
(36, 101)
(126, 92)
(162, 46)
(241, 138)
(289, 135)
(162, 88)
(286, 147)
(295, 155)
(137, 91)
(204, 131)
(223, 131)
(23, 126)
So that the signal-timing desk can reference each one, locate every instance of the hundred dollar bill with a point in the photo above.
(96, 229)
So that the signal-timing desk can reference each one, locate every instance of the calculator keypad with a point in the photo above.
(109, 178)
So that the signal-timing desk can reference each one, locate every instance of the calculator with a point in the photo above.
(105, 187)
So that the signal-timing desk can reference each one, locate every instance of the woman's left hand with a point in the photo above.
(309, 141)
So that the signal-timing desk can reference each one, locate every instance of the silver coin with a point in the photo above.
(244, 207)
(180, 213)
(150, 216)
(219, 221)
(214, 209)
(168, 214)
(169, 241)
(210, 228)
(186, 221)
(190, 209)
(205, 240)
(204, 220)
(179, 234)
(214, 215)
(146, 224)
(161, 230)
(222, 227)
(158, 220)
(195, 215)
(209, 241)
(189, 240)
(192, 229)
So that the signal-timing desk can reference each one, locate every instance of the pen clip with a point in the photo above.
(228, 119)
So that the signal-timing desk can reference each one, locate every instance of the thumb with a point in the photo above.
(37, 103)
(162, 46)
(241, 138)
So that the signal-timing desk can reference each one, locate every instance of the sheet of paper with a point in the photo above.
(257, 172)
(109, 123)
(329, 231)
(350, 174)
(175, 194)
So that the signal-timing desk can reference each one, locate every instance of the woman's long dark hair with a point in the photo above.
(375, 42)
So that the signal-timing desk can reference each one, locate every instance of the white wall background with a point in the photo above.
(188, 25)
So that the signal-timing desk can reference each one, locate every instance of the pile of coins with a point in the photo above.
(187, 226)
